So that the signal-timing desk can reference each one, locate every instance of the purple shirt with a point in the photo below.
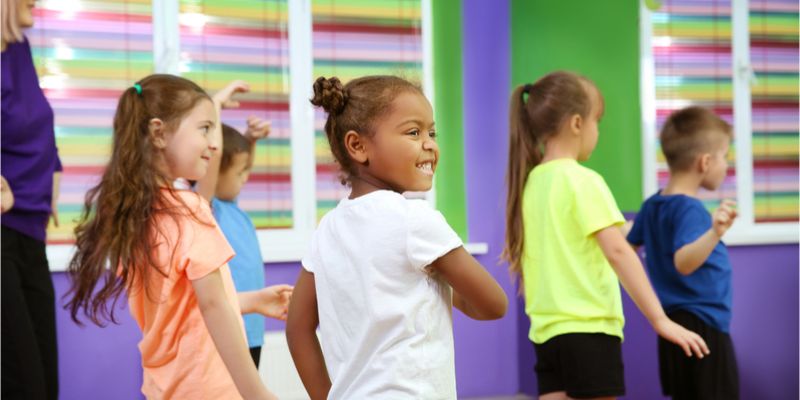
(28, 143)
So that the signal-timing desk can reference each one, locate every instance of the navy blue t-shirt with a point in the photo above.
(663, 226)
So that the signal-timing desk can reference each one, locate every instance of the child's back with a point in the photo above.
(666, 223)
(178, 355)
(566, 273)
(386, 324)
(685, 257)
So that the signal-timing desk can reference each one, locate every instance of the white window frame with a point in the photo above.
(290, 244)
(745, 230)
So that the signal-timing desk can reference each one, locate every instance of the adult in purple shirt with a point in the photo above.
(28, 165)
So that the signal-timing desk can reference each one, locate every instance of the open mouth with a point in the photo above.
(426, 168)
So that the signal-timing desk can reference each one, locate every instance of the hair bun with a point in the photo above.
(330, 95)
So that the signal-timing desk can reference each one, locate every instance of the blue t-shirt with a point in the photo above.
(247, 266)
(663, 226)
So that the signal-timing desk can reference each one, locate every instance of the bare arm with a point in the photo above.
(301, 335)
(476, 293)
(223, 325)
(207, 185)
(256, 129)
(271, 301)
(633, 278)
(692, 256)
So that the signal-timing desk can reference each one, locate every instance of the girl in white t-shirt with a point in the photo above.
(378, 277)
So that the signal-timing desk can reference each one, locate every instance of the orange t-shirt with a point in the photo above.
(179, 358)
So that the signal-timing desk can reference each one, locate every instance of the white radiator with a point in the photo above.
(277, 368)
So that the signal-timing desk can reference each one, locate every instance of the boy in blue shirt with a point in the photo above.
(228, 170)
(687, 262)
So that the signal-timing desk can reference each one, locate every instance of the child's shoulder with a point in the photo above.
(192, 204)
(676, 205)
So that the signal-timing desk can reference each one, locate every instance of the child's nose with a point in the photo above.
(430, 144)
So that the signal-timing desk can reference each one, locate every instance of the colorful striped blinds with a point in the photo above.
(775, 60)
(86, 53)
(352, 38)
(691, 43)
(226, 40)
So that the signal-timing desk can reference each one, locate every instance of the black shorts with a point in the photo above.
(715, 376)
(584, 365)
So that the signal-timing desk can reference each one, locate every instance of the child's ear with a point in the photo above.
(704, 162)
(356, 147)
(575, 124)
(157, 134)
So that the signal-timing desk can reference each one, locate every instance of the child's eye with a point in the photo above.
(432, 134)
(206, 129)
(414, 132)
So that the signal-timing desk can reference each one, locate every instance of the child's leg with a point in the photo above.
(255, 352)
(580, 366)
(712, 377)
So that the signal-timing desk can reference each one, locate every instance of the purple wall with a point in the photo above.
(495, 358)
(486, 360)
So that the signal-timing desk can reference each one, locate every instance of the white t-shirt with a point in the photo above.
(386, 324)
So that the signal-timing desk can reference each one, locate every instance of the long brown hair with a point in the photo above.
(355, 106)
(114, 234)
(537, 112)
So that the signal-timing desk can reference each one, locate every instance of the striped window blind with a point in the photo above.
(86, 53)
(222, 41)
(774, 59)
(691, 45)
(352, 38)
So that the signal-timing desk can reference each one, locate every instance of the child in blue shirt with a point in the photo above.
(687, 262)
(228, 170)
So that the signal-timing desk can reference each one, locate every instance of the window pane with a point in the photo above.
(222, 41)
(352, 38)
(86, 53)
(691, 42)
(774, 57)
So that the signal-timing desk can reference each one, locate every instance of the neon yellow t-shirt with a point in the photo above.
(569, 285)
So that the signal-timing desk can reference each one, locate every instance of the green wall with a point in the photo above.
(451, 195)
(598, 39)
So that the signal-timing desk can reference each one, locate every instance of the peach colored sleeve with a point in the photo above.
(206, 248)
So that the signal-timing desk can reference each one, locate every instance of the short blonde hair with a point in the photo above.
(11, 32)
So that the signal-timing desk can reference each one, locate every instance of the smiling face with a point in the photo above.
(403, 153)
(188, 150)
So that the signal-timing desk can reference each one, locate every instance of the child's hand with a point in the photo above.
(224, 98)
(723, 217)
(689, 341)
(257, 128)
(273, 301)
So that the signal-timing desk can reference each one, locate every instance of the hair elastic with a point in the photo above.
(526, 90)
(138, 88)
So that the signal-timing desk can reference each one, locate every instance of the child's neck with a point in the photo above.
(560, 146)
(365, 184)
(682, 183)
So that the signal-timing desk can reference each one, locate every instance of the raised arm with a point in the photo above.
(691, 256)
(257, 129)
